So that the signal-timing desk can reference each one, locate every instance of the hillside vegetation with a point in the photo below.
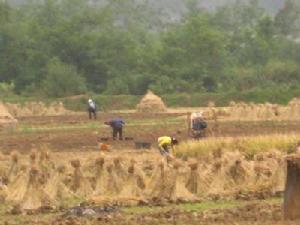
(58, 48)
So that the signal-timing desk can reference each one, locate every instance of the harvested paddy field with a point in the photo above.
(51, 164)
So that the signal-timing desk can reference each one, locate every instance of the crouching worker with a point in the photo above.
(117, 127)
(166, 144)
(92, 109)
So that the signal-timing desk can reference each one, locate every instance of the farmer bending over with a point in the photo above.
(165, 144)
(117, 127)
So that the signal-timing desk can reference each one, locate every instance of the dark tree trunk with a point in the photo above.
(291, 207)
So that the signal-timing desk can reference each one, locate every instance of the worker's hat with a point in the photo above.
(174, 140)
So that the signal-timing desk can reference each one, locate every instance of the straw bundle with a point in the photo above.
(46, 166)
(131, 189)
(180, 192)
(112, 182)
(80, 184)
(156, 182)
(14, 166)
(56, 189)
(99, 176)
(6, 119)
(120, 171)
(34, 197)
(17, 187)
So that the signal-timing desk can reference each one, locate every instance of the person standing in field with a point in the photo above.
(117, 127)
(166, 145)
(92, 109)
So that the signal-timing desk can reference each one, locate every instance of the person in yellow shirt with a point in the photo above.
(165, 144)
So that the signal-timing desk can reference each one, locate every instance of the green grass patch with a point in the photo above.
(198, 207)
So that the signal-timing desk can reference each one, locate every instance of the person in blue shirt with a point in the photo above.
(117, 127)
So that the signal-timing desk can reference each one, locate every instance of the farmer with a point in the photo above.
(92, 109)
(165, 144)
(117, 127)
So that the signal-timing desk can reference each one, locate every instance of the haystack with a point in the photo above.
(34, 197)
(7, 121)
(151, 103)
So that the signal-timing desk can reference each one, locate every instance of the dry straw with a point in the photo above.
(35, 196)
(151, 103)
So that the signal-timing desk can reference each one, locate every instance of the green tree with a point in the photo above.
(288, 18)
(193, 51)
(62, 80)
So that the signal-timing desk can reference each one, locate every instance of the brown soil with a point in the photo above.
(251, 214)
(80, 139)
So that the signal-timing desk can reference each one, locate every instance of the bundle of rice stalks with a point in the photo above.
(108, 187)
(237, 172)
(112, 185)
(14, 166)
(162, 184)
(156, 182)
(222, 183)
(99, 176)
(46, 166)
(279, 177)
(269, 173)
(180, 192)
(33, 157)
(34, 197)
(56, 189)
(3, 191)
(2, 157)
(80, 185)
(120, 170)
(17, 188)
(131, 192)
(141, 177)
(196, 184)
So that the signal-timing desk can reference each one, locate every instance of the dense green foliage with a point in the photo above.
(63, 48)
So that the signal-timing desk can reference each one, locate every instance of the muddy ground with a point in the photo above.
(263, 213)
(77, 133)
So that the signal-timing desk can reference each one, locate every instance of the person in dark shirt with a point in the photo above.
(117, 127)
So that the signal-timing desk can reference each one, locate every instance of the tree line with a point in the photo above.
(60, 48)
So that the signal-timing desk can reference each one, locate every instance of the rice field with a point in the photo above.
(57, 166)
